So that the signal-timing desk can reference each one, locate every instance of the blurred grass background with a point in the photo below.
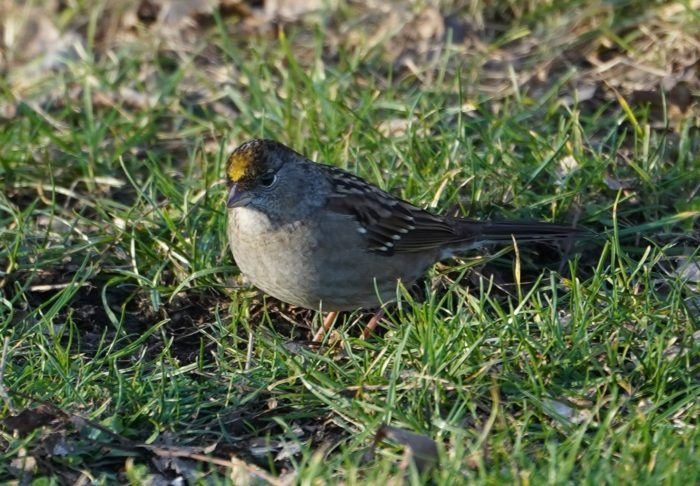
(126, 326)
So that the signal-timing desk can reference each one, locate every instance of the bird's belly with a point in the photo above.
(299, 279)
(315, 269)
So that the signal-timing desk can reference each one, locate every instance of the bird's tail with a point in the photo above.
(507, 230)
(474, 234)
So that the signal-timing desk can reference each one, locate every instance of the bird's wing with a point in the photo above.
(388, 223)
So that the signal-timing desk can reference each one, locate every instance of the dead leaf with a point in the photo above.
(235, 7)
(582, 93)
(174, 13)
(288, 451)
(291, 10)
(673, 350)
(676, 101)
(617, 184)
(147, 11)
(397, 127)
(559, 409)
(423, 449)
(567, 165)
(688, 269)
(23, 467)
(30, 419)
(428, 25)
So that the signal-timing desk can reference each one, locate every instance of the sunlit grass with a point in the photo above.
(120, 302)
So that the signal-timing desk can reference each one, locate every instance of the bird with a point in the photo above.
(319, 237)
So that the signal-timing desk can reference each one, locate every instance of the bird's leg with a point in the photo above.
(327, 323)
(330, 318)
(372, 323)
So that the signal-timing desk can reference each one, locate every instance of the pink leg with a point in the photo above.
(327, 323)
(372, 324)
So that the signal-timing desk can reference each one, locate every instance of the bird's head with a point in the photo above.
(252, 171)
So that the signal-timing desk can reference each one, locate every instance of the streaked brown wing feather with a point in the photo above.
(389, 224)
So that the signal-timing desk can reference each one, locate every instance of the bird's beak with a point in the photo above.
(236, 197)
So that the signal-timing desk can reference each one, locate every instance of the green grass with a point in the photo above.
(120, 303)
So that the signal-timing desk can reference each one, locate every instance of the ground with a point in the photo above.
(133, 351)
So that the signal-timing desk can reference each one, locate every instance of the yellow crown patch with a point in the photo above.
(237, 166)
(244, 162)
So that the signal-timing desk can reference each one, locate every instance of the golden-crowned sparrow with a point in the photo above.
(314, 235)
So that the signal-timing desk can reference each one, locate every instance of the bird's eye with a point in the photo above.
(268, 179)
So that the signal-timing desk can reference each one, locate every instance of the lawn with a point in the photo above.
(134, 352)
